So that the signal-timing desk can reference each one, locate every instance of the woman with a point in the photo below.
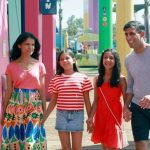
(24, 101)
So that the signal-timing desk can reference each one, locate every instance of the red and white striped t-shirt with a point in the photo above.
(70, 89)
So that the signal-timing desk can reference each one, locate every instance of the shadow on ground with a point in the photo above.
(99, 147)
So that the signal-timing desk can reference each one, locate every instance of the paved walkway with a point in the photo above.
(53, 139)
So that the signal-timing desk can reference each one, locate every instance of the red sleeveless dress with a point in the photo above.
(106, 130)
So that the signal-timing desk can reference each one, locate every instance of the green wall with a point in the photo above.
(14, 19)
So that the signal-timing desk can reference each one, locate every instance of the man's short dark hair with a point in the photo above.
(138, 26)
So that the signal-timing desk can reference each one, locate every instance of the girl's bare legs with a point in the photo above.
(106, 148)
(76, 140)
(65, 140)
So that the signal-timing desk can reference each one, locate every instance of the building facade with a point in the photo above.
(17, 16)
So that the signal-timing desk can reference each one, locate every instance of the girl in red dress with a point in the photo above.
(107, 108)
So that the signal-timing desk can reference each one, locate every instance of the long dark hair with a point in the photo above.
(115, 78)
(59, 69)
(16, 51)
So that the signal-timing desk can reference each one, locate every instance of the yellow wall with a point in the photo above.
(125, 13)
(86, 21)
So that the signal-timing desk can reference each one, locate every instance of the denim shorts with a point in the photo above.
(69, 121)
(140, 122)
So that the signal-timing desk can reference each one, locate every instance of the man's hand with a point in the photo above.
(145, 102)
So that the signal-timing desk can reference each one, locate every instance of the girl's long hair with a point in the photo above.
(115, 78)
(59, 69)
(16, 51)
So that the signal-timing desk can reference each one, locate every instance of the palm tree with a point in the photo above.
(146, 15)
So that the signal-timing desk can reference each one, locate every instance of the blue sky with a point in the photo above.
(75, 7)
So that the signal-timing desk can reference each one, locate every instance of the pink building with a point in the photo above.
(4, 59)
(27, 18)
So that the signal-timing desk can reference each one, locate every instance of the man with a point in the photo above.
(138, 79)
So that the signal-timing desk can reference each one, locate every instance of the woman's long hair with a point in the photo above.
(115, 78)
(16, 51)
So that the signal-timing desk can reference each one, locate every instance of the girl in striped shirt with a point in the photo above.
(69, 91)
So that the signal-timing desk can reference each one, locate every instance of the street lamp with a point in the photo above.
(60, 24)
